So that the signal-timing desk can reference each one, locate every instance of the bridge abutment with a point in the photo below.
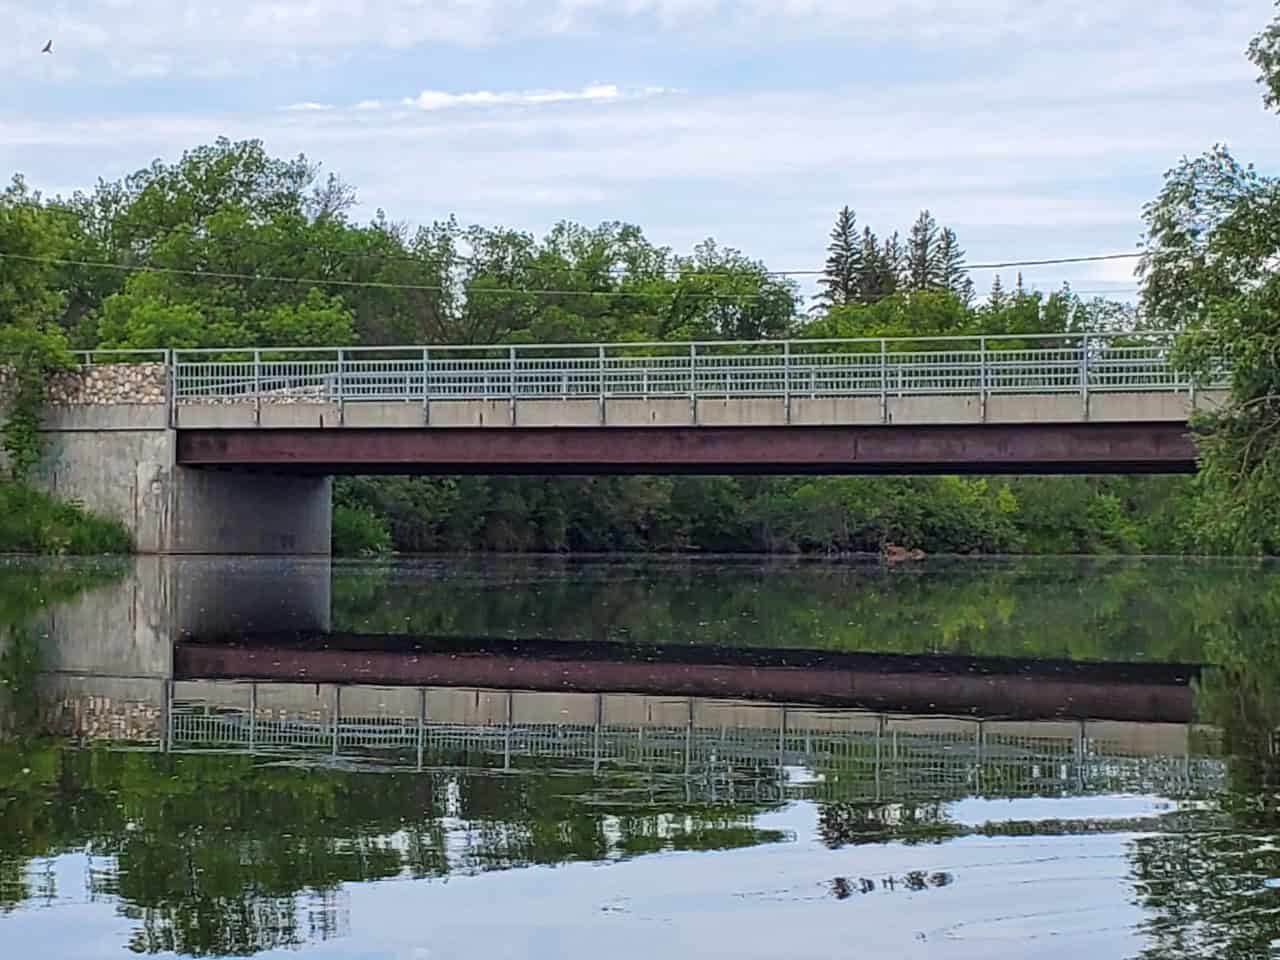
(120, 461)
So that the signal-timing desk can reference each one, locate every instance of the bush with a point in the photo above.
(359, 532)
(34, 522)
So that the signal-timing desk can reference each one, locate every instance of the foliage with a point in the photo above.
(359, 532)
(34, 522)
(1210, 268)
(32, 346)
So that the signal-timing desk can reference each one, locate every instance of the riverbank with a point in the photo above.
(34, 522)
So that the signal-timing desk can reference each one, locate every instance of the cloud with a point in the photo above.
(441, 100)
(308, 106)
(231, 37)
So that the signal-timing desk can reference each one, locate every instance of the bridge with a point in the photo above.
(200, 438)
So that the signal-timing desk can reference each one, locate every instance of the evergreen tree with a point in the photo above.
(840, 278)
(998, 298)
(1019, 291)
(924, 266)
(869, 269)
(953, 275)
(891, 266)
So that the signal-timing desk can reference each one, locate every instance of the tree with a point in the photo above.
(32, 295)
(840, 277)
(1213, 238)
(892, 266)
(952, 274)
(924, 265)
(997, 298)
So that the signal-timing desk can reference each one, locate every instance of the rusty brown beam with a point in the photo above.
(1155, 447)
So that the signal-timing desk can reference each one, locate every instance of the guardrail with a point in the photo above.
(809, 368)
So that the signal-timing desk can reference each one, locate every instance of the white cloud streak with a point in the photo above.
(442, 100)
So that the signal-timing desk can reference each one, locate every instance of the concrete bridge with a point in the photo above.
(230, 451)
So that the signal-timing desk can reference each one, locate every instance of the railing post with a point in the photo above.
(426, 386)
(786, 381)
(693, 383)
(171, 384)
(511, 359)
(342, 387)
(337, 713)
(1084, 376)
(603, 412)
(983, 379)
(257, 388)
(422, 722)
(884, 381)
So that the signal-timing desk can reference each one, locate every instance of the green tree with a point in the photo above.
(840, 278)
(924, 252)
(952, 274)
(1213, 236)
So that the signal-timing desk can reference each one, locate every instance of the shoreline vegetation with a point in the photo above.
(37, 523)
(892, 517)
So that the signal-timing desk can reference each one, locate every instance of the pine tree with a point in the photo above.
(840, 277)
(953, 275)
(924, 269)
(891, 266)
(1019, 291)
(997, 299)
(869, 268)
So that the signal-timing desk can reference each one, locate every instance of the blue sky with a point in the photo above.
(1036, 129)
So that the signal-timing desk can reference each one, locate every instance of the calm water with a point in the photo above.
(542, 758)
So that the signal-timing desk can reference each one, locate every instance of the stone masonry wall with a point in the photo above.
(101, 384)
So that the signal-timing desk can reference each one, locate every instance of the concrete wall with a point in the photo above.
(119, 460)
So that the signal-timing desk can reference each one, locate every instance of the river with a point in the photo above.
(543, 757)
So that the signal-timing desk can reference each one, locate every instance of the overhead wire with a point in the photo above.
(507, 290)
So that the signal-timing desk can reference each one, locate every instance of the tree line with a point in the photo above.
(862, 269)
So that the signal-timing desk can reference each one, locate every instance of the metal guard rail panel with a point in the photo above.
(804, 368)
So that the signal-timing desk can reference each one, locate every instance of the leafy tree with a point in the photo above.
(1213, 236)
(32, 345)
(840, 279)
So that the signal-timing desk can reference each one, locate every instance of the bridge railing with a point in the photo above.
(1058, 363)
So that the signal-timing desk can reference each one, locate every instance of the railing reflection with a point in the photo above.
(717, 747)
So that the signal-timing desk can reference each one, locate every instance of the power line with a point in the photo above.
(441, 288)
(373, 284)
(1054, 261)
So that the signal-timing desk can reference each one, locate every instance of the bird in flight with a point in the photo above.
(48, 47)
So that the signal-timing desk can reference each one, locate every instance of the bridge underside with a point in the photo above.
(1065, 448)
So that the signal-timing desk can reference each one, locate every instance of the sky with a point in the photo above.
(1035, 128)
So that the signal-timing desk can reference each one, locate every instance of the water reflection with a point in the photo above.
(163, 758)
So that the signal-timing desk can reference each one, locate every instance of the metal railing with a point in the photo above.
(883, 367)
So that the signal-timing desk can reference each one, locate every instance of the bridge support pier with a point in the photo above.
(121, 461)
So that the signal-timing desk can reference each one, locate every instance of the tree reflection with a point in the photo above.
(1206, 886)
(222, 855)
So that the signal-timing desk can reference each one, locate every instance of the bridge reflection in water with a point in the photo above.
(715, 750)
